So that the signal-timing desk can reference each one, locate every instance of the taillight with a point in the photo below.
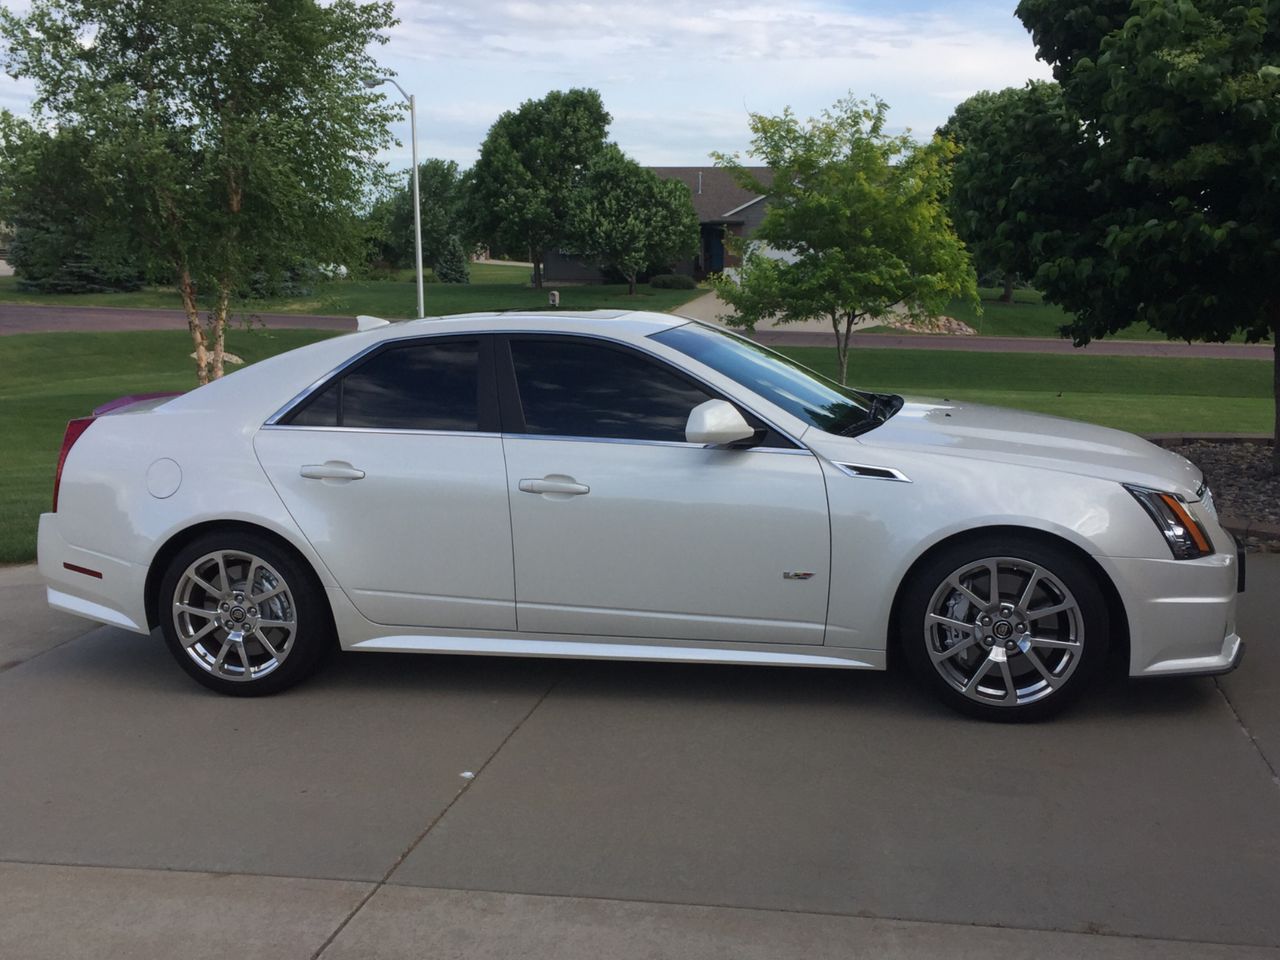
(75, 429)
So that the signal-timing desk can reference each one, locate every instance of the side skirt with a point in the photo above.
(849, 659)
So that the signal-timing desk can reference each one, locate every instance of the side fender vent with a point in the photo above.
(873, 473)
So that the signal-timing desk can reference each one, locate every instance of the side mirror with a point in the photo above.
(716, 422)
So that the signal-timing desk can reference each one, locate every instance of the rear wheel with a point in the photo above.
(243, 616)
(1004, 629)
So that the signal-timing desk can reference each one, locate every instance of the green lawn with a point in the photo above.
(46, 379)
(1030, 316)
(494, 287)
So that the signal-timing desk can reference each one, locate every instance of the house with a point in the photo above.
(722, 206)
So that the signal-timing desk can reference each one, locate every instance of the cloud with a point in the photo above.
(680, 79)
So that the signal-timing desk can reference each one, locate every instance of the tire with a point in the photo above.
(1023, 656)
(218, 629)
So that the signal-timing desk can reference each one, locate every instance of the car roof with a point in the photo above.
(625, 323)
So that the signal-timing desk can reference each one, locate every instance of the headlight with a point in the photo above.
(1186, 538)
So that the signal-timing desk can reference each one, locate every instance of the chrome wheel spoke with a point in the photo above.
(206, 586)
(1042, 612)
(968, 594)
(951, 622)
(267, 645)
(196, 611)
(200, 634)
(219, 663)
(286, 624)
(1024, 601)
(1053, 644)
(244, 658)
(960, 647)
(274, 592)
(983, 669)
(1034, 659)
(1010, 688)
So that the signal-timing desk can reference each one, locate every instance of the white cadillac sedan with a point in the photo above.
(631, 486)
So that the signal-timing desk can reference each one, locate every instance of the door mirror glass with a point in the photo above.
(716, 422)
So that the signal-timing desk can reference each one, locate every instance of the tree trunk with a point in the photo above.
(188, 290)
(631, 285)
(1007, 296)
(842, 342)
(536, 257)
(1275, 386)
(220, 326)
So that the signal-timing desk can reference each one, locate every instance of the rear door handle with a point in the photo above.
(565, 486)
(331, 470)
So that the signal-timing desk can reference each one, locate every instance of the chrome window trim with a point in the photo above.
(851, 470)
(789, 451)
(301, 396)
(409, 431)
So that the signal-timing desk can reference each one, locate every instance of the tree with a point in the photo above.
(860, 217)
(627, 218)
(58, 246)
(531, 163)
(450, 265)
(1176, 219)
(1015, 147)
(441, 193)
(230, 137)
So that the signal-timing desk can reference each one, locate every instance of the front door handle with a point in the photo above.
(331, 470)
(565, 486)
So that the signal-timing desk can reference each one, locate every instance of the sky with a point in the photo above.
(680, 80)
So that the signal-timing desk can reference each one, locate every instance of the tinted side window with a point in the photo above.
(422, 386)
(571, 388)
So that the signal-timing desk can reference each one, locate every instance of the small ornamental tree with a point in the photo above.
(531, 164)
(1175, 217)
(859, 217)
(229, 137)
(450, 265)
(627, 218)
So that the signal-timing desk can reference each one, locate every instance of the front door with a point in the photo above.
(394, 471)
(621, 528)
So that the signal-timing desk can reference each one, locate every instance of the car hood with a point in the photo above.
(980, 432)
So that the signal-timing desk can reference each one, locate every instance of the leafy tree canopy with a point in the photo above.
(442, 191)
(228, 136)
(1014, 167)
(1178, 221)
(531, 163)
(856, 225)
(629, 219)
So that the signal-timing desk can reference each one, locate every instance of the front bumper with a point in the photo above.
(1182, 613)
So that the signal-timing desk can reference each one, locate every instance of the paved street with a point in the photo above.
(23, 318)
(401, 807)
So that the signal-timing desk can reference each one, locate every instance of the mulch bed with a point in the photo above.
(1239, 473)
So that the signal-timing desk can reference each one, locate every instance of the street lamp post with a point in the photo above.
(417, 206)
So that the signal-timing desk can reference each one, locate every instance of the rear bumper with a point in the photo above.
(88, 583)
(1182, 613)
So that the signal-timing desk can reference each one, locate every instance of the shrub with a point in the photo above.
(672, 281)
(451, 265)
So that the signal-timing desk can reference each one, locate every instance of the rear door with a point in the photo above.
(394, 471)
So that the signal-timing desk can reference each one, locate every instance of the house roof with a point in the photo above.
(720, 198)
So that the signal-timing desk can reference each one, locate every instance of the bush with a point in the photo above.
(51, 261)
(672, 281)
(451, 265)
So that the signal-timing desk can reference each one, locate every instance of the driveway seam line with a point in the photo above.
(479, 772)
(1115, 935)
(14, 664)
(1253, 740)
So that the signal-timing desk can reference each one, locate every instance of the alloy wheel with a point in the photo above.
(1004, 632)
(235, 615)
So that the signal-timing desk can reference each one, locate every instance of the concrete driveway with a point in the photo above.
(464, 807)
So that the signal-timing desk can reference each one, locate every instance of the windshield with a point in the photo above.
(813, 398)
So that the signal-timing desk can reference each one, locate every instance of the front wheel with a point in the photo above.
(243, 616)
(1006, 629)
